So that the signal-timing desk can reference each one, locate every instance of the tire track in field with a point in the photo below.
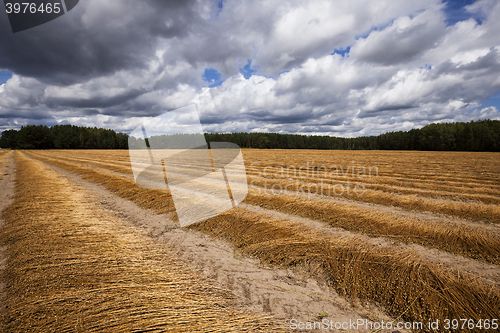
(72, 266)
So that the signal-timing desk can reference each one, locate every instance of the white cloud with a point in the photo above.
(402, 41)
(407, 69)
(298, 30)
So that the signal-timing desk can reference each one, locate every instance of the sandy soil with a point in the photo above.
(287, 294)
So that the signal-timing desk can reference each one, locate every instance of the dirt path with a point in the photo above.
(7, 176)
(286, 294)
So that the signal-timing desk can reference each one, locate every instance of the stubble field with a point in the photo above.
(416, 233)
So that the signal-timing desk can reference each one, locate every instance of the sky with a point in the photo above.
(319, 67)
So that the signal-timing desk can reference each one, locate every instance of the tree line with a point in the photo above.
(63, 137)
(472, 136)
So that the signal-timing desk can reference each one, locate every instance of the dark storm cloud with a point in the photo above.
(336, 122)
(268, 117)
(95, 39)
(25, 114)
(96, 102)
(212, 119)
(482, 65)
(385, 110)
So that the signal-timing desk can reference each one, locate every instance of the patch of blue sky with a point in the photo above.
(213, 77)
(220, 6)
(455, 11)
(4, 76)
(494, 101)
(247, 71)
(342, 52)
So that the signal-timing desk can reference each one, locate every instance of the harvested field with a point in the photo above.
(358, 265)
(471, 239)
(72, 267)
(446, 202)
(465, 185)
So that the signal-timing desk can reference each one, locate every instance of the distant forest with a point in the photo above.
(472, 136)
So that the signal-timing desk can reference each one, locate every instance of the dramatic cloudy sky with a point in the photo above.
(344, 68)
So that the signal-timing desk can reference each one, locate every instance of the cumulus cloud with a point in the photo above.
(404, 40)
(108, 63)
